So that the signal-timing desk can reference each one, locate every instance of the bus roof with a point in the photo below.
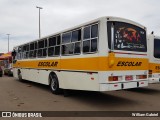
(155, 36)
(109, 18)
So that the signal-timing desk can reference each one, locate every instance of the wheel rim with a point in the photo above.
(53, 83)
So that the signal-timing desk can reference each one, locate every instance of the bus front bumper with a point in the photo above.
(123, 85)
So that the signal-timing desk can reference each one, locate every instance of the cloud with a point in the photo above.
(20, 17)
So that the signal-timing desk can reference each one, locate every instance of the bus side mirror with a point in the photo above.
(13, 53)
(152, 32)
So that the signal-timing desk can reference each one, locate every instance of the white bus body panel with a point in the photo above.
(155, 78)
(123, 84)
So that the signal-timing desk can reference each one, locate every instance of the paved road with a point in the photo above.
(29, 96)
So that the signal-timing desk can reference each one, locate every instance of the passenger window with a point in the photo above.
(52, 41)
(42, 48)
(41, 44)
(76, 35)
(58, 40)
(67, 49)
(73, 46)
(46, 43)
(35, 53)
(66, 37)
(32, 46)
(86, 46)
(57, 50)
(93, 45)
(90, 38)
(40, 53)
(94, 31)
(54, 46)
(26, 51)
(35, 45)
(27, 47)
(77, 48)
(31, 53)
(87, 32)
(44, 52)
(51, 51)
(19, 53)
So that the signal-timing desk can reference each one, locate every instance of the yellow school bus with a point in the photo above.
(105, 54)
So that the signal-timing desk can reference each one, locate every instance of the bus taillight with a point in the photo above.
(114, 78)
(141, 77)
(129, 77)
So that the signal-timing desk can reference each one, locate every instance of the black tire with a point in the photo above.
(54, 84)
(19, 75)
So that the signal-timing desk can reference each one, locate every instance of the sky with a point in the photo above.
(19, 18)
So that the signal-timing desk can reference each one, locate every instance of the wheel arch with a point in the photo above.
(18, 71)
(54, 86)
(52, 73)
(19, 74)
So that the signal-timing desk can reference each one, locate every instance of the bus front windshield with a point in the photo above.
(126, 37)
(157, 48)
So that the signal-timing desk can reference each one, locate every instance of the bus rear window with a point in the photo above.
(157, 48)
(127, 37)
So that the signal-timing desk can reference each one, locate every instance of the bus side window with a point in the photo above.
(76, 39)
(90, 38)
(54, 46)
(67, 49)
(57, 47)
(31, 52)
(66, 37)
(25, 51)
(42, 48)
(71, 42)
(57, 50)
(18, 55)
(67, 46)
(35, 50)
(45, 48)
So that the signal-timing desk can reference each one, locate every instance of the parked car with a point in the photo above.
(8, 71)
(1, 71)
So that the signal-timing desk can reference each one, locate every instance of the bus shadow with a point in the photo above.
(34, 84)
(89, 97)
(102, 99)
(145, 90)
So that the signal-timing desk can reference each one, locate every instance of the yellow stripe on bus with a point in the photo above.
(86, 64)
(155, 67)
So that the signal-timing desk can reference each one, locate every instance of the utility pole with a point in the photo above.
(8, 41)
(39, 21)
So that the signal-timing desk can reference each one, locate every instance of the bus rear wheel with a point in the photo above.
(54, 85)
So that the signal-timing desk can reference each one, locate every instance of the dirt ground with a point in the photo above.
(29, 96)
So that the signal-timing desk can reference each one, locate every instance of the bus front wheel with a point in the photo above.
(54, 85)
(19, 75)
